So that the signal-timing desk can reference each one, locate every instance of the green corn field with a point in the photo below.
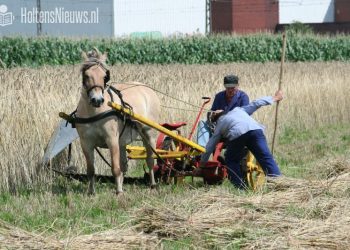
(19, 51)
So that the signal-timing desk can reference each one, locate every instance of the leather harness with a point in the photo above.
(75, 119)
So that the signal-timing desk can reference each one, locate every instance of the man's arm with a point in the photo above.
(210, 147)
(267, 100)
(215, 103)
(244, 99)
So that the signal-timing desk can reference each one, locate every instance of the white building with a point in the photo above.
(102, 18)
(306, 11)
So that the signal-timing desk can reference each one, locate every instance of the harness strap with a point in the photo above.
(95, 86)
(110, 94)
(120, 95)
(74, 119)
(124, 104)
(97, 117)
(104, 159)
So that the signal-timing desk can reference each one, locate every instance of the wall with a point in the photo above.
(244, 16)
(221, 16)
(160, 17)
(254, 15)
(105, 18)
(342, 10)
(93, 18)
(306, 11)
(79, 18)
(14, 25)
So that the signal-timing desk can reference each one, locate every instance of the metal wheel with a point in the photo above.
(163, 173)
(254, 174)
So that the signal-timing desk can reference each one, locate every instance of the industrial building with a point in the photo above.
(248, 16)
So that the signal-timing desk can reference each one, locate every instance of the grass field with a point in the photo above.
(313, 146)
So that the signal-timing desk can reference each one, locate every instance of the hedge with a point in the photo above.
(24, 51)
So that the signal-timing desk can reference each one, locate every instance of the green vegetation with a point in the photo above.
(299, 28)
(300, 149)
(45, 209)
(301, 46)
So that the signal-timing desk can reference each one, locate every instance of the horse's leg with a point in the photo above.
(113, 146)
(123, 159)
(90, 158)
(149, 143)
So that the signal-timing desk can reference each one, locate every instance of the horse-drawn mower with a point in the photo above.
(177, 156)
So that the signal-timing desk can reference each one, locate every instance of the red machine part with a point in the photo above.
(214, 172)
(164, 168)
(170, 126)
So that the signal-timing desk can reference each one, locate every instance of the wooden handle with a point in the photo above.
(284, 43)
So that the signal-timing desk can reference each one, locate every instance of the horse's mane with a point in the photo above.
(93, 59)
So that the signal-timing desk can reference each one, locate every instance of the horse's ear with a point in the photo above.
(84, 56)
(96, 52)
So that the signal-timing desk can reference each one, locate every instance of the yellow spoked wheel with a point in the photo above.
(255, 175)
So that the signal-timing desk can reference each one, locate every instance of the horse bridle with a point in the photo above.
(108, 112)
(106, 79)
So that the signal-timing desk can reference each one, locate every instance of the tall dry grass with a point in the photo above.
(315, 94)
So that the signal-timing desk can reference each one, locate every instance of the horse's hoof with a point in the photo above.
(91, 193)
(119, 193)
(154, 189)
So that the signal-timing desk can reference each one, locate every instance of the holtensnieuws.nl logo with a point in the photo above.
(58, 15)
(6, 18)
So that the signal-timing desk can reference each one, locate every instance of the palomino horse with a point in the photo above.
(109, 132)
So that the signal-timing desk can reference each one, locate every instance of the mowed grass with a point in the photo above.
(312, 144)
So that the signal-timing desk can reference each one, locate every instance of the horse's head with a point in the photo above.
(95, 76)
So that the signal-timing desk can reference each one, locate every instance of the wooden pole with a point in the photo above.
(284, 42)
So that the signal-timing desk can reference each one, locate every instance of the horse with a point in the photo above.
(111, 131)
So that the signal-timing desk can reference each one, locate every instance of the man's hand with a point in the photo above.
(215, 115)
(278, 96)
(219, 111)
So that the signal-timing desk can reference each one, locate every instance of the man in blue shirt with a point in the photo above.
(231, 97)
(240, 130)
(225, 100)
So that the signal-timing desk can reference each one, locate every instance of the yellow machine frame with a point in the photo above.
(255, 174)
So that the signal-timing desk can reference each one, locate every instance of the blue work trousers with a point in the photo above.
(255, 141)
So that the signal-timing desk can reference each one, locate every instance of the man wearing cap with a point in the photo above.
(224, 101)
(240, 130)
(231, 97)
